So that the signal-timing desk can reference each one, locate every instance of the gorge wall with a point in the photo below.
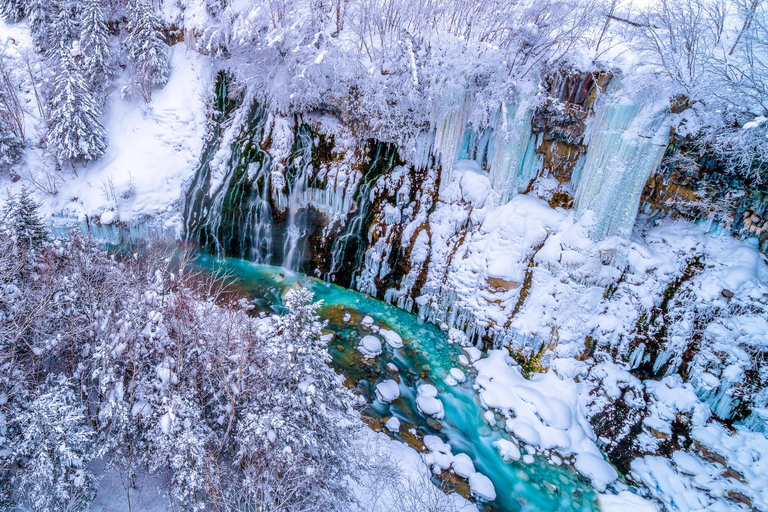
(524, 234)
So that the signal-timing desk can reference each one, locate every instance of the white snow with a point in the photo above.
(625, 501)
(428, 403)
(108, 217)
(458, 375)
(439, 457)
(462, 465)
(507, 449)
(482, 487)
(387, 391)
(367, 321)
(393, 424)
(153, 149)
(392, 338)
(543, 412)
(370, 346)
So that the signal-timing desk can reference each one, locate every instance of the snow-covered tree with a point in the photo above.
(63, 29)
(94, 46)
(146, 49)
(55, 447)
(296, 434)
(12, 10)
(21, 219)
(39, 17)
(75, 130)
(11, 146)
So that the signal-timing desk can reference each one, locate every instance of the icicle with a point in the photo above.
(626, 140)
(449, 132)
(513, 161)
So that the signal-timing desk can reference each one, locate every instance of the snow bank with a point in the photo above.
(542, 412)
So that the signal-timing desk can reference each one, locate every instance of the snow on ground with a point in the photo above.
(402, 479)
(153, 149)
(411, 487)
(543, 413)
(531, 276)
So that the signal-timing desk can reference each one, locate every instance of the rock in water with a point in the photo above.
(370, 346)
(387, 391)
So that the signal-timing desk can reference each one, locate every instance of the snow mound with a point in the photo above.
(595, 468)
(542, 412)
(370, 346)
(482, 487)
(625, 501)
(387, 391)
(392, 338)
(439, 457)
(463, 466)
(507, 449)
(393, 424)
(428, 403)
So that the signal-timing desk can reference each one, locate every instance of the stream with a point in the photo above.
(426, 357)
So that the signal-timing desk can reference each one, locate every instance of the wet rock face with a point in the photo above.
(561, 121)
(616, 410)
(696, 186)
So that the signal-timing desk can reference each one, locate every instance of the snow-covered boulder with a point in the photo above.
(463, 466)
(392, 338)
(387, 391)
(482, 487)
(507, 449)
(428, 403)
(370, 346)
(393, 424)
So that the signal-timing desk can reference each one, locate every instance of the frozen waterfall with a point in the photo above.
(626, 140)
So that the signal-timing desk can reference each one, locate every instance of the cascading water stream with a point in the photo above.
(383, 159)
(426, 357)
(298, 174)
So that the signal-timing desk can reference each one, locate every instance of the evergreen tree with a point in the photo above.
(12, 10)
(75, 130)
(146, 50)
(11, 146)
(296, 438)
(22, 221)
(39, 18)
(94, 45)
(55, 447)
(63, 29)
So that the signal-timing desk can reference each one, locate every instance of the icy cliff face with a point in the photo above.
(523, 234)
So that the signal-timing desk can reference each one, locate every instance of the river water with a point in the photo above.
(426, 357)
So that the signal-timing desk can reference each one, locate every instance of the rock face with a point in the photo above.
(517, 234)
(698, 187)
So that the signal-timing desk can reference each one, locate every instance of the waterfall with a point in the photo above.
(235, 218)
(298, 173)
(348, 249)
(514, 161)
(626, 140)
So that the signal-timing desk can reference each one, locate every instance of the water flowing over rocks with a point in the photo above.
(567, 231)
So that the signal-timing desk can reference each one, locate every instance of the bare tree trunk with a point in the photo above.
(747, 23)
